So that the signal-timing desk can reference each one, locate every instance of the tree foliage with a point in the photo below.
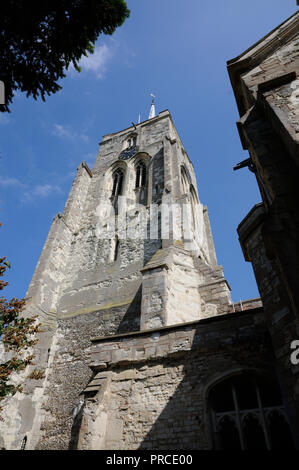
(39, 40)
(17, 335)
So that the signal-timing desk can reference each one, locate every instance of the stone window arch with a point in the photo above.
(184, 181)
(140, 169)
(194, 206)
(130, 141)
(247, 413)
(118, 180)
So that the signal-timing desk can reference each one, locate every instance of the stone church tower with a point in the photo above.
(106, 271)
(138, 327)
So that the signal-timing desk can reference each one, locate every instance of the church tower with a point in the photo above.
(133, 252)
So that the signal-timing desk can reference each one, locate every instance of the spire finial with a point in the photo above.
(152, 112)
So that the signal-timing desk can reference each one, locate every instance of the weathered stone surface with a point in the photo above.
(82, 287)
(266, 86)
(161, 396)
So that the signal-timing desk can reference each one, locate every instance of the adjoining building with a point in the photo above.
(266, 85)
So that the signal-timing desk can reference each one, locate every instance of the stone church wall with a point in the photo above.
(150, 389)
(81, 289)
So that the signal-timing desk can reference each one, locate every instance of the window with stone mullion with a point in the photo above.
(249, 415)
(117, 183)
(140, 175)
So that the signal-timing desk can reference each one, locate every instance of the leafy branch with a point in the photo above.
(17, 336)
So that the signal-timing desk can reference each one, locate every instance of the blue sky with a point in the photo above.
(175, 49)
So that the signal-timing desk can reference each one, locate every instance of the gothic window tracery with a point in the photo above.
(140, 175)
(129, 147)
(141, 182)
(247, 413)
(131, 141)
(117, 177)
(194, 203)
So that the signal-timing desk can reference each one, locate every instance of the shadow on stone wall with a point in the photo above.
(185, 422)
(131, 319)
(73, 445)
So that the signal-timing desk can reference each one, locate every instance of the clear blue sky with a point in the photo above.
(175, 49)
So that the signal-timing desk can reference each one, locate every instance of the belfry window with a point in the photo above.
(131, 142)
(247, 413)
(117, 187)
(140, 175)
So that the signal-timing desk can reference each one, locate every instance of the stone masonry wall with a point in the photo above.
(70, 373)
(281, 322)
(155, 385)
(265, 82)
(80, 289)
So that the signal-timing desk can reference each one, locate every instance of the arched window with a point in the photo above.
(117, 177)
(247, 413)
(130, 142)
(140, 175)
(184, 181)
(194, 204)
